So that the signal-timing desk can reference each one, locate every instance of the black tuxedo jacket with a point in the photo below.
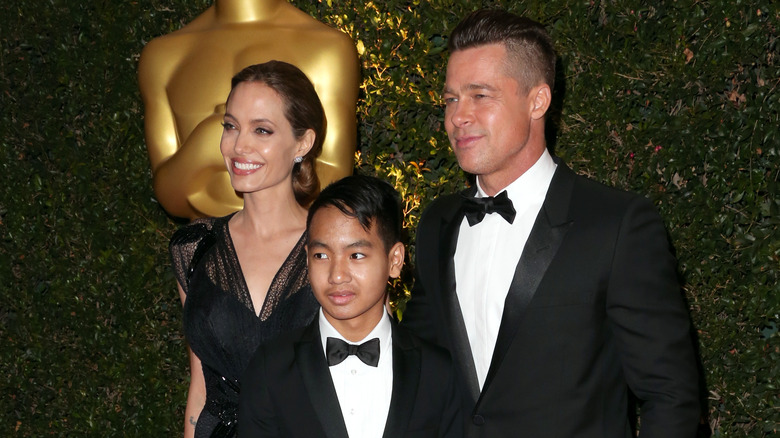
(594, 309)
(287, 390)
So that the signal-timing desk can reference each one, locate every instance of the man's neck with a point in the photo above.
(238, 11)
(493, 184)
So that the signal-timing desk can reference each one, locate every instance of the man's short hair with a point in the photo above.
(373, 202)
(530, 50)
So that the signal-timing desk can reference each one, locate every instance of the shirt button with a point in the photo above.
(352, 411)
(354, 372)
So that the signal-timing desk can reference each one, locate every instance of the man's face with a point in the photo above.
(348, 270)
(488, 116)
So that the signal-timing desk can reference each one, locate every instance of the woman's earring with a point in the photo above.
(298, 159)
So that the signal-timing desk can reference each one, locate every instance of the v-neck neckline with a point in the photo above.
(244, 287)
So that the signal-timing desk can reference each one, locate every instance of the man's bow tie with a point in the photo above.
(338, 350)
(477, 208)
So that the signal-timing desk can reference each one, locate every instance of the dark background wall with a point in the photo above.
(674, 99)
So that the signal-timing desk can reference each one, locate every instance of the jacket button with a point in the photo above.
(479, 420)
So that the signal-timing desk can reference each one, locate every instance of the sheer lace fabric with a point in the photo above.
(220, 322)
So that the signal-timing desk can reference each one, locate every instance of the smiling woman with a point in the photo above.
(258, 143)
(242, 278)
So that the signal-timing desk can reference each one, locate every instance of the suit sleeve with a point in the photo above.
(651, 325)
(451, 419)
(418, 315)
(256, 414)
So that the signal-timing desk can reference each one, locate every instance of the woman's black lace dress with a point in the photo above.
(220, 322)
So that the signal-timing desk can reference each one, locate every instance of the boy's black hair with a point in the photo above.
(373, 202)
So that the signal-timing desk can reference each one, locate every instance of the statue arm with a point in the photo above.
(159, 122)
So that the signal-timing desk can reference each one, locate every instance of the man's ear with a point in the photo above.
(396, 259)
(541, 97)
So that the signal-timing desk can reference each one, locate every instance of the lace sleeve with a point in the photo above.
(186, 247)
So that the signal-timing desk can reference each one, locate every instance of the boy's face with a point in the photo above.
(348, 271)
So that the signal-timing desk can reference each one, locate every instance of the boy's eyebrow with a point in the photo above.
(362, 243)
(316, 243)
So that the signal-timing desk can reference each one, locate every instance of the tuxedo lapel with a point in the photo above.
(407, 363)
(460, 349)
(317, 380)
(546, 236)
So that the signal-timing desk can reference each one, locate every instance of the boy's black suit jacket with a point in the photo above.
(594, 310)
(287, 390)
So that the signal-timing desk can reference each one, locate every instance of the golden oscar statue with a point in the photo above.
(184, 79)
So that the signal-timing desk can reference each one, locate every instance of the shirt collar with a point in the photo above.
(382, 331)
(531, 182)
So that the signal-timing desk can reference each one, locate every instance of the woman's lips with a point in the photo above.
(244, 167)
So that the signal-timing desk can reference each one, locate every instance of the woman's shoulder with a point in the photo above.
(197, 230)
(190, 242)
(193, 232)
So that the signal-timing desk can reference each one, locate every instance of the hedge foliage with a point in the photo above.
(673, 99)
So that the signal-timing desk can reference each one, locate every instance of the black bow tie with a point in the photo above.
(477, 208)
(337, 350)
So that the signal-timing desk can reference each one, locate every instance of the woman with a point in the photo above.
(242, 278)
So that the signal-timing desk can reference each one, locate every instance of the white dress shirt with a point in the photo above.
(486, 257)
(364, 391)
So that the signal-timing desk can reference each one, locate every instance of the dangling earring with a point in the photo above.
(298, 159)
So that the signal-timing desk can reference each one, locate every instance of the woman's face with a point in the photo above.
(258, 143)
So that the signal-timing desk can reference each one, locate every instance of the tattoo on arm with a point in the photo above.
(193, 421)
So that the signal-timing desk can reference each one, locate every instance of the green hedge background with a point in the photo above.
(677, 100)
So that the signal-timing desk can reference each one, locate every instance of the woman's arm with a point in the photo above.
(196, 396)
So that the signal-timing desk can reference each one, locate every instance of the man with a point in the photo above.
(352, 372)
(565, 299)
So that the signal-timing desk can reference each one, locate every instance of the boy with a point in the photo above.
(352, 372)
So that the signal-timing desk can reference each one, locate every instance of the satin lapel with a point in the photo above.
(407, 364)
(546, 236)
(461, 350)
(316, 378)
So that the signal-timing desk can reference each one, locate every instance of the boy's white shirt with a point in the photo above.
(364, 391)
